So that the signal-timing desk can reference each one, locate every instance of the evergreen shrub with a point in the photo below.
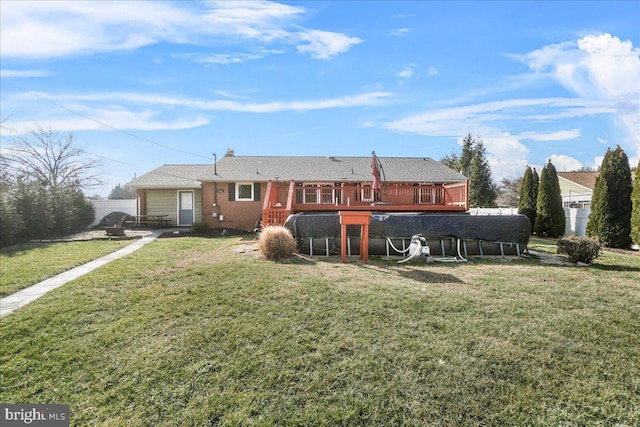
(550, 219)
(579, 249)
(635, 213)
(610, 218)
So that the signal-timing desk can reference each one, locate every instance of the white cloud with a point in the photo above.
(602, 70)
(561, 135)
(597, 67)
(219, 58)
(324, 44)
(564, 163)
(506, 155)
(400, 32)
(34, 29)
(406, 73)
(4, 73)
(121, 119)
(149, 111)
(433, 71)
(597, 162)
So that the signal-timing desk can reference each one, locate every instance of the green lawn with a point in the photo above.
(188, 332)
(29, 263)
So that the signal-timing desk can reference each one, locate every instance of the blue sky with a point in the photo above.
(140, 84)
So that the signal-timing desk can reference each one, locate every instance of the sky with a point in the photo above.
(140, 84)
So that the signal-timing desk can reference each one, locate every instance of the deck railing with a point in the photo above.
(284, 199)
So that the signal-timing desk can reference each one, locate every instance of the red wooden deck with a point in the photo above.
(283, 199)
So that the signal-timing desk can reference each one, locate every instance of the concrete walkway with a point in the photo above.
(21, 298)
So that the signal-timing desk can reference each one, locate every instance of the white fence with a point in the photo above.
(575, 218)
(576, 221)
(104, 207)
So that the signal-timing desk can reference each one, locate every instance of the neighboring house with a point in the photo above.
(239, 192)
(576, 188)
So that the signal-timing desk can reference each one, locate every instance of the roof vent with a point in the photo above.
(230, 153)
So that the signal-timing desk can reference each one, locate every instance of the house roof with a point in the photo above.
(585, 179)
(171, 176)
(285, 168)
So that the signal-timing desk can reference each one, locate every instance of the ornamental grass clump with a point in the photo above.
(579, 249)
(276, 242)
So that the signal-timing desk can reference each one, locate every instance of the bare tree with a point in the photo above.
(52, 161)
(509, 192)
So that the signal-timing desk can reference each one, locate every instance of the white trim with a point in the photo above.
(250, 184)
(193, 206)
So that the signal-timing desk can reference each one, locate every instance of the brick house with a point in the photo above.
(238, 192)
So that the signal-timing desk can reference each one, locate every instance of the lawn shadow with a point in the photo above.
(624, 268)
(18, 248)
(417, 274)
(427, 276)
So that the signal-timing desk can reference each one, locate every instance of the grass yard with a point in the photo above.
(188, 332)
(29, 263)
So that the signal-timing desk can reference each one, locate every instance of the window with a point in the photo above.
(244, 191)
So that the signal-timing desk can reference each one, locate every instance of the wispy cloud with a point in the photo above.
(561, 135)
(149, 111)
(325, 44)
(600, 67)
(401, 32)
(219, 58)
(58, 29)
(4, 73)
(433, 71)
(406, 73)
(601, 70)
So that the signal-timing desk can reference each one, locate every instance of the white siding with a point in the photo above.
(165, 202)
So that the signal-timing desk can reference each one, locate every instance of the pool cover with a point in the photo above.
(492, 228)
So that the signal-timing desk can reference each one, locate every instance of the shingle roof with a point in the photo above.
(285, 168)
(586, 179)
(264, 168)
(171, 176)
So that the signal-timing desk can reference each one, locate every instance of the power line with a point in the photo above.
(108, 125)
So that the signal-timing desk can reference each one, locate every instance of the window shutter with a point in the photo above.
(232, 191)
(256, 191)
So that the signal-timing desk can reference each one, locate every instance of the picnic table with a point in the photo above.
(140, 220)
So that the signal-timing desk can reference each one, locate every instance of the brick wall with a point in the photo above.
(237, 215)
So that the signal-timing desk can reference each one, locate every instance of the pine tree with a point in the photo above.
(610, 219)
(536, 183)
(481, 189)
(468, 153)
(635, 214)
(550, 219)
(528, 197)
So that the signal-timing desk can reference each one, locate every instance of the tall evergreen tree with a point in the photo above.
(610, 219)
(452, 161)
(536, 183)
(635, 214)
(469, 145)
(550, 219)
(473, 164)
(528, 197)
(482, 192)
